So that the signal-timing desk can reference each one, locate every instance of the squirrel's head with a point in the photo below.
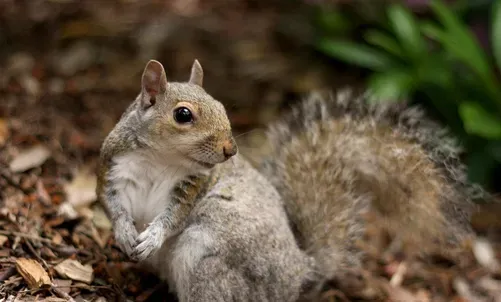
(183, 121)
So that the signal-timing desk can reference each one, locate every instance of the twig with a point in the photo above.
(61, 294)
(398, 277)
(35, 253)
(27, 236)
(13, 183)
(8, 273)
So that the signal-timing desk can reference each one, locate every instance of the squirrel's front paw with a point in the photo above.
(125, 235)
(149, 241)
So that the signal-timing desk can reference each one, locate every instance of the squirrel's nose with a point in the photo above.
(229, 148)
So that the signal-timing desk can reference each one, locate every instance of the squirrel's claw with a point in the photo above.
(126, 237)
(149, 242)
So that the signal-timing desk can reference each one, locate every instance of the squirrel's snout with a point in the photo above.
(229, 148)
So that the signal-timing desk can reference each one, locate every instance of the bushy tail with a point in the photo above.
(333, 157)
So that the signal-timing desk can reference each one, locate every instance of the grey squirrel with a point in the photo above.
(189, 207)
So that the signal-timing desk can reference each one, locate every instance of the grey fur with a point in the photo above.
(221, 236)
(252, 255)
(329, 166)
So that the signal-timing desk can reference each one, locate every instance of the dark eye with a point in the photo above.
(183, 115)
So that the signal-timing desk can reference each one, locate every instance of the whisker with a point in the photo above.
(247, 132)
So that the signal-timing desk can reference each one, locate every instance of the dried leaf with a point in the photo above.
(4, 131)
(42, 193)
(397, 278)
(33, 273)
(82, 190)
(30, 158)
(485, 255)
(465, 291)
(63, 285)
(68, 211)
(397, 294)
(57, 239)
(3, 240)
(100, 219)
(74, 270)
(53, 299)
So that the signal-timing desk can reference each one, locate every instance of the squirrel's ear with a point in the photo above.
(197, 74)
(153, 82)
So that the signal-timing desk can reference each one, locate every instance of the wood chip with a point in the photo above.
(100, 219)
(42, 193)
(63, 285)
(54, 299)
(397, 294)
(485, 255)
(81, 191)
(4, 132)
(30, 158)
(33, 273)
(3, 240)
(72, 269)
(57, 239)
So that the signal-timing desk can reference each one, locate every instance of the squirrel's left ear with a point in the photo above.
(153, 82)
(197, 74)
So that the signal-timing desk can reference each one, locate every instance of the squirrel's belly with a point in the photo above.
(144, 186)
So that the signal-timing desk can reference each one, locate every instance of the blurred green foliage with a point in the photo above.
(433, 59)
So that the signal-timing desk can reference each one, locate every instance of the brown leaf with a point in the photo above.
(30, 158)
(3, 240)
(485, 255)
(42, 193)
(63, 285)
(47, 253)
(82, 190)
(4, 253)
(33, 273)
(4, 132)
(100, 219)
(57, 239)
(399, 294)
(74, 270)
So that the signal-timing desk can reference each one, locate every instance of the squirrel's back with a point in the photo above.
(333, 157)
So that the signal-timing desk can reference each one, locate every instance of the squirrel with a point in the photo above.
(186, 205)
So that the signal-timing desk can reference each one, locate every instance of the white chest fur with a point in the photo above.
(144, 184)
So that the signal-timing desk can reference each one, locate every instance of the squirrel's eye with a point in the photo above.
(183, 115)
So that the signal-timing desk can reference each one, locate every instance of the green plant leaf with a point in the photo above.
(357, 54)
(460, 41)
(494, 148)
(334, 21)
(436, 70)
(431, 30)
(496, 32)
(480, 166)
(405, 27)
(384, 41)
(479, 121)
(391, 85)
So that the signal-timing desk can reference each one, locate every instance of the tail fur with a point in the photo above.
(334, 157)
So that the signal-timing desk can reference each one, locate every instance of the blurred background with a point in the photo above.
(82, 60)
(69, 68)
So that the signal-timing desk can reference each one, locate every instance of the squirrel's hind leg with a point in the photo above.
(214, 280)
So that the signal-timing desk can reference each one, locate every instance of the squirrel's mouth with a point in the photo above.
(201, 163)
